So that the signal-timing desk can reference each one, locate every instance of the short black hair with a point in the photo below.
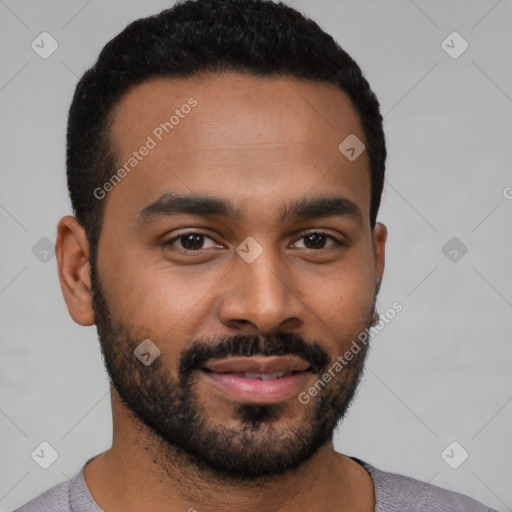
(258, 37)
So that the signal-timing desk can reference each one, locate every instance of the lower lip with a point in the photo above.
(257, 391)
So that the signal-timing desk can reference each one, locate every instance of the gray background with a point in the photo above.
(439, 372)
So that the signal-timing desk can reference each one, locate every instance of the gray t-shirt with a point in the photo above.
(393, 493)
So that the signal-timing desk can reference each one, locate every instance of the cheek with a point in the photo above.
(154, 296)
(341, 304)
(342, 297)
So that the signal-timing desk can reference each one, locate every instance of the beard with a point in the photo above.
(263, 442)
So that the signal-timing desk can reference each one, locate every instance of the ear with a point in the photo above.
(72, 251)
(380, 234)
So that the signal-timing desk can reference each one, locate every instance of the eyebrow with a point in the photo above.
(306, 208)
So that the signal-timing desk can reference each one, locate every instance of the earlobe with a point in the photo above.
(72, 251)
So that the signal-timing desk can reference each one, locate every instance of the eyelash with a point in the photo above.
(170, 242)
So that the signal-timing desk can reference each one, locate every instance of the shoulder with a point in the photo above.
(64, 497)
(55, 499)
(395, 493)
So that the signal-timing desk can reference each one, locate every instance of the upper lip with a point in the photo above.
(258, 364)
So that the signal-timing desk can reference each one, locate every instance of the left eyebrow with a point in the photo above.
(321, 207)
(200, 205)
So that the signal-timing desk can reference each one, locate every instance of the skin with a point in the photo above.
(261, 143)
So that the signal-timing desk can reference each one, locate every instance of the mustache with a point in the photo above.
(275, 344)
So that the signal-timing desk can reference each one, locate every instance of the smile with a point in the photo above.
(257, 379)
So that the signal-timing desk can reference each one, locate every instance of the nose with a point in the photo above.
(262, 296)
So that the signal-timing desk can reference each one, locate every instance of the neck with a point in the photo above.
(141, 471)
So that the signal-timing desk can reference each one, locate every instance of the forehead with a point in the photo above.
(231, 99)
(238, 135)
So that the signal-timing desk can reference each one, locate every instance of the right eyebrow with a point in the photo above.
(171, 204)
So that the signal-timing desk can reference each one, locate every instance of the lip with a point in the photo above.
(226, 375)
(258, 364)
(256, 391)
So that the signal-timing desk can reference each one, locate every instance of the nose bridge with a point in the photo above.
(261, 291)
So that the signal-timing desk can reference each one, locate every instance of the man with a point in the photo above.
(225, 164)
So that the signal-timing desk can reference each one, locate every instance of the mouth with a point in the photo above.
(260, 376)
(257, 379)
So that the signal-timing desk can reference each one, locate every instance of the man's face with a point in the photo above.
(236, 299)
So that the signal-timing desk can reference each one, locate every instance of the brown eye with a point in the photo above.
(315, 241)
(189, 241)
(318, 239)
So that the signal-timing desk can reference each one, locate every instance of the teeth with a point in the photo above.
(252, 375)
(264, 376)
